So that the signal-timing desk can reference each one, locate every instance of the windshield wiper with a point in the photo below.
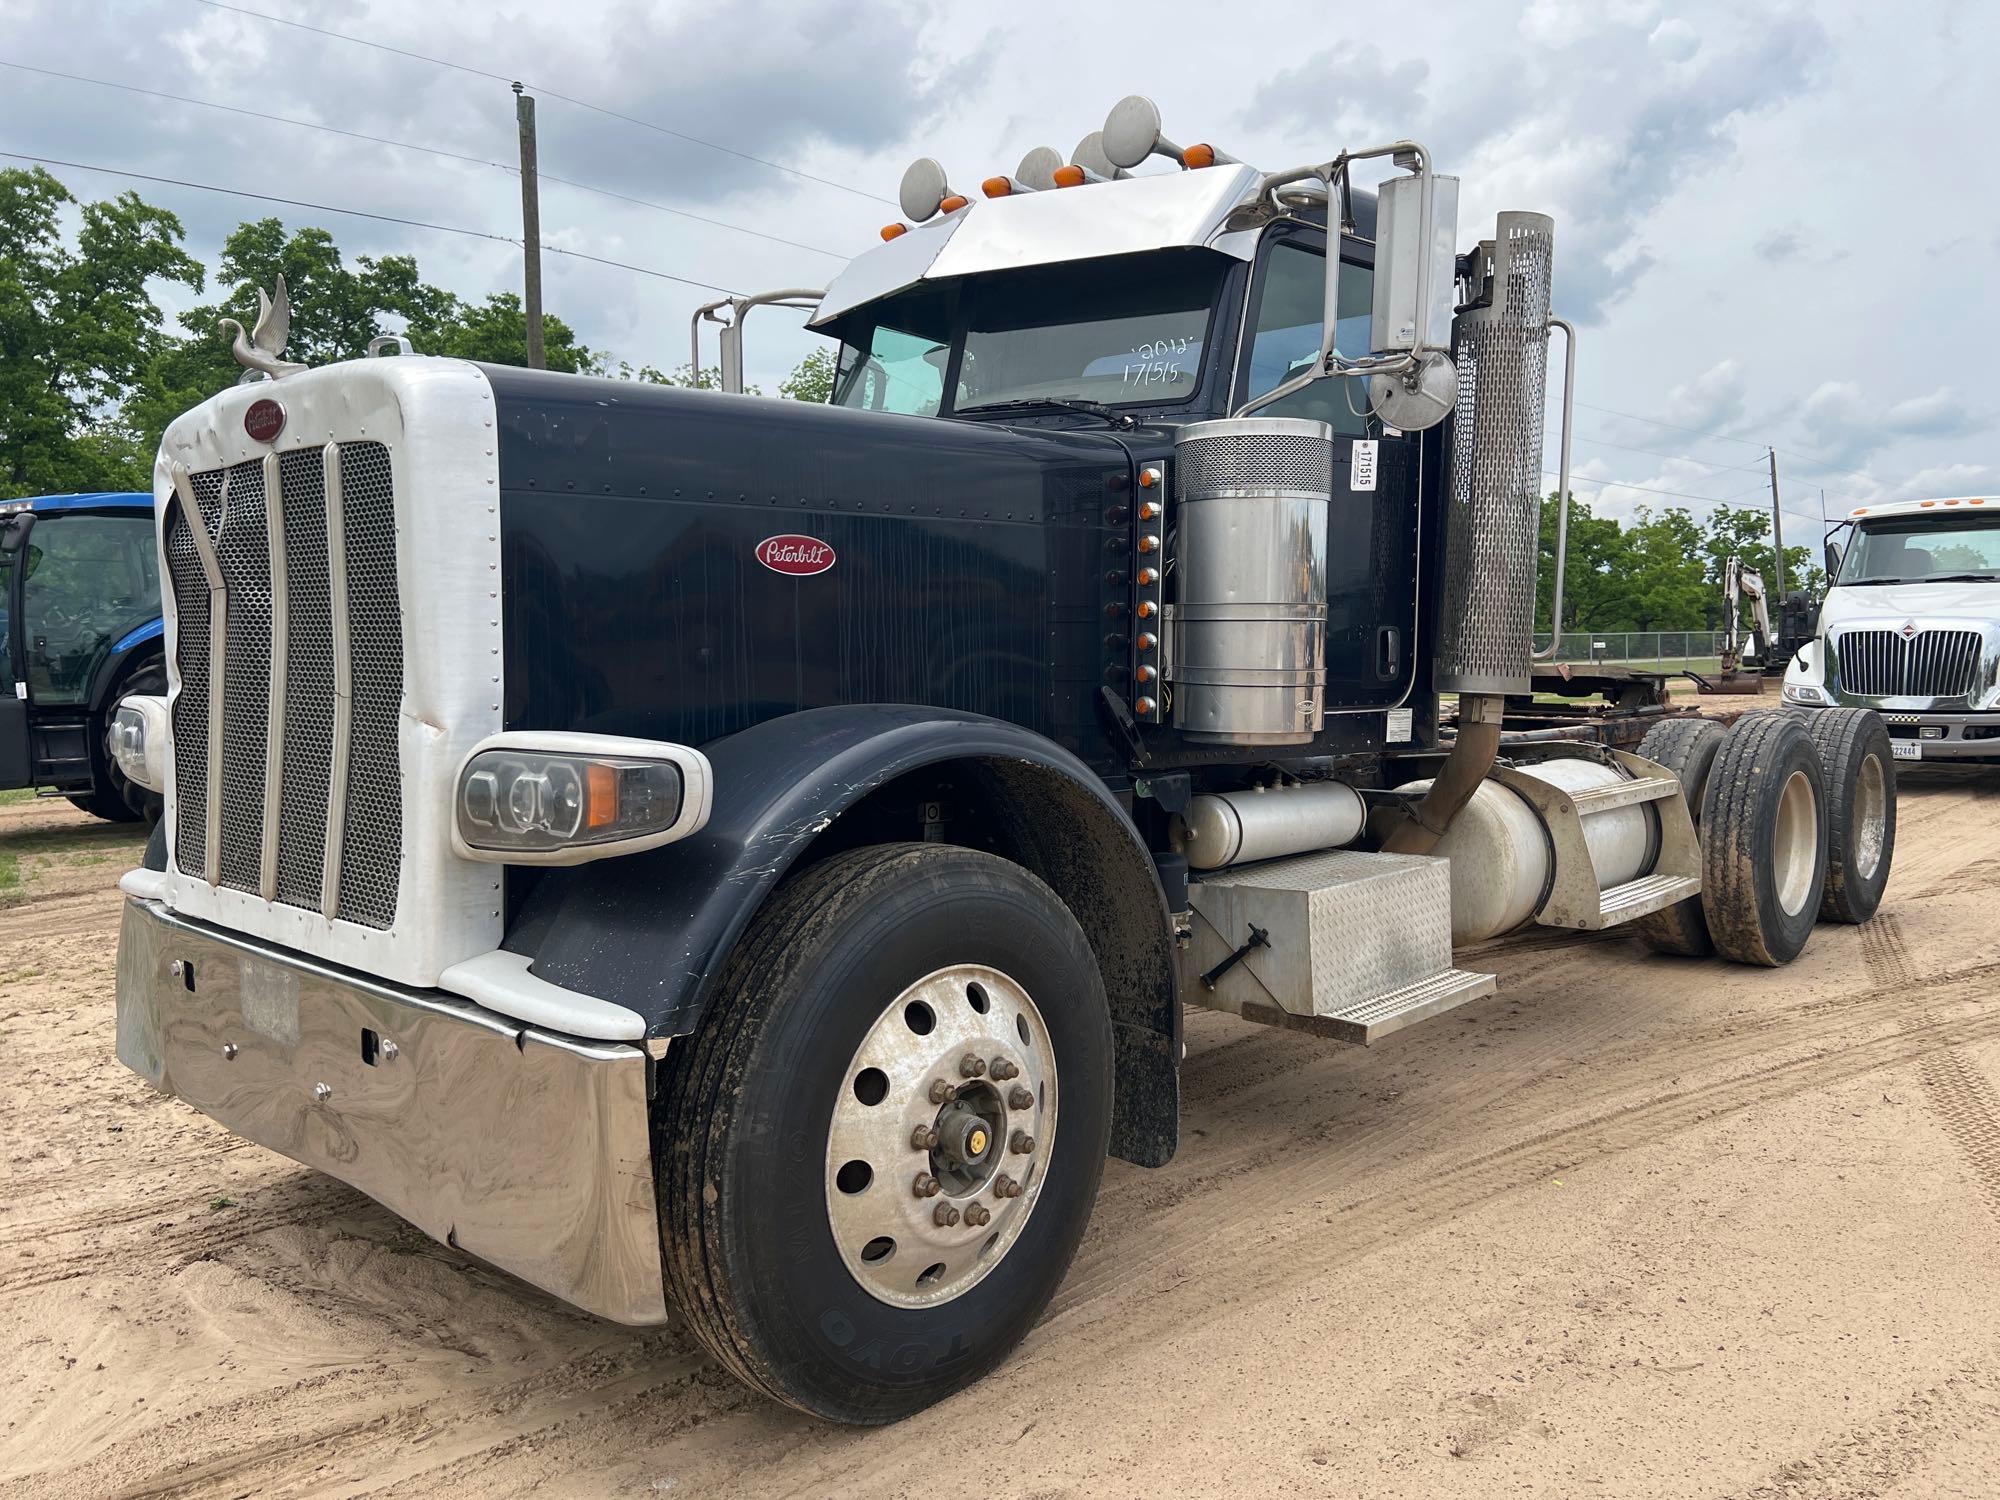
(1030, 403)
(1924, 578)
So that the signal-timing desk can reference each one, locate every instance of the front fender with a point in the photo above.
(652, 931)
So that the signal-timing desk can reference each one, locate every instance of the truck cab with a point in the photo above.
(1911, 627)
(80, 627)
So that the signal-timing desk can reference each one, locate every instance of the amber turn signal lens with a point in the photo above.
(1068, 176)
(1148, 478)
(1147, 609)
(1145, 705)
(1199, 156)
(996, 187)
(953, 204)
(891, 231)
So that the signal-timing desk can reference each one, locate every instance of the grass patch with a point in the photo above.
(10, 871)
(21, 794)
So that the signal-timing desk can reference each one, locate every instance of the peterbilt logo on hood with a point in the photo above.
(799, 556)
(264, 420)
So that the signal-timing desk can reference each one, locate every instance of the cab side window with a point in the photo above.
(1291, 293)
(89, 580)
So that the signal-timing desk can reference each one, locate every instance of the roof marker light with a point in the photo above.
(997, 187)
(1198, 156)
(894, 231)
(1071, 176)
(953, 204)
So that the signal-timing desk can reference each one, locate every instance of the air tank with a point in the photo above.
(1249, 557)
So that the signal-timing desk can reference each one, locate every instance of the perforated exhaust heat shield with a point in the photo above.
(1493, 511)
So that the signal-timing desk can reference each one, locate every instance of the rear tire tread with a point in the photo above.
(1688, 748)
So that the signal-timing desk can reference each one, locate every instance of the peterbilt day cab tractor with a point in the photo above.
(745, 857)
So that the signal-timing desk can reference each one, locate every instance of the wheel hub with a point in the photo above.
(944, 1117)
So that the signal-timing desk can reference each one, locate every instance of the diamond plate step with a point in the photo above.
(1626, 793)
(1648, 893)
(1371, 1020)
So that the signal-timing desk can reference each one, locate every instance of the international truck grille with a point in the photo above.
(282, 717)
(1930, 664)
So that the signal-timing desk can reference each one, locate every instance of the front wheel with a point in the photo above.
(879, 1150)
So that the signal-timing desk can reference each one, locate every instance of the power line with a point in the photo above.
(380, 140)
(1662, 453)
(548, 93)
(1805, 458)
(360, 213)
(1621, 484)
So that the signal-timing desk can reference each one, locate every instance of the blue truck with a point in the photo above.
(80, 627)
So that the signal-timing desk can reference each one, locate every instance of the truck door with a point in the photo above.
(1371, 562)
(15, 763)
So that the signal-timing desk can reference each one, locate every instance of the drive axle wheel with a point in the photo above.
(1855, 759)
(1764, 840)
(878, 1152)
(1687, 747)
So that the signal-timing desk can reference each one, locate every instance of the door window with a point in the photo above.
(1291, 299)
(88, 581)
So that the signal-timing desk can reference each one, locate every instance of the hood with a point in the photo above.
(1890, 604)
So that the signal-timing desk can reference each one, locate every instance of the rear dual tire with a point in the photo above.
(1764, 840)
(1687, 747)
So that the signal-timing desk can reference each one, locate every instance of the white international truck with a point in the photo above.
(1911, 627)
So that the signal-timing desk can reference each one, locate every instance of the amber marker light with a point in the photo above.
(1147, 609)
(1198, 156)
(996, 187)
(894, 231)
(1069, 176)
(953, 204)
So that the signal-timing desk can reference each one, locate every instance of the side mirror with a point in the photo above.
(1832, 561)
(14, 534)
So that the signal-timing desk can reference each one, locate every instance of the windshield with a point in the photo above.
(1105, 331)
(1919, 549)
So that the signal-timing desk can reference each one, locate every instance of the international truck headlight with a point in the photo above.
(138, 740)
(1805, 692)
(559, 799)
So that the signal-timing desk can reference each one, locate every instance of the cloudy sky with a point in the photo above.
(1776, 223)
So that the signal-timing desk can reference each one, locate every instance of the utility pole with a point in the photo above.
(1777, 523)
(531, 228)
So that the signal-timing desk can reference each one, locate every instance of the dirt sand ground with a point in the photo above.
(1635, 1227)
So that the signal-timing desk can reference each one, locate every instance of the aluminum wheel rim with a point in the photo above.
(1871, 817)
(918, 1218)
(1795, 843)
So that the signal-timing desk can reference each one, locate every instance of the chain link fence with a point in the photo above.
(1665, 650)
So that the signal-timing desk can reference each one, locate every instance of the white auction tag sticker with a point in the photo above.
(1399, 727)
(1362, 476)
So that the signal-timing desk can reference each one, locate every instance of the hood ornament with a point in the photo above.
(263, 349)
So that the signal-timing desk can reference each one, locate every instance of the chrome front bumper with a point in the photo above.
(1940, 735)
(524, 1147)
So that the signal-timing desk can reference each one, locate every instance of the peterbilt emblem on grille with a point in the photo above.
(799, 556)
(1908, 630)
(264, 420)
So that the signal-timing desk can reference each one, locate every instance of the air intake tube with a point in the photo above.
(1492, 528)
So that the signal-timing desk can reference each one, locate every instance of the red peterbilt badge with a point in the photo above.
(264, 419)
(800, 556)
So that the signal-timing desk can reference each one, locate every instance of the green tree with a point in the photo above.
(77, 326)
(811, 378)
(1593, 550)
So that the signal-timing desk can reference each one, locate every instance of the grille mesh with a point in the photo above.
(1232, 463)
(373, 812)
(1930, 664)
(372, 853)
(308, 684)
(242, 547)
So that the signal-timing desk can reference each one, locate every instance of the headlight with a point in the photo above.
(1805, 692)
(138, 740)
(529, 798)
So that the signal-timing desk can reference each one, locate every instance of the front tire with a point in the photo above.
(1860, 772)
(802, 1215)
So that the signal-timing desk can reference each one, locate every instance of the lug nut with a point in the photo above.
(1019, 1098)
(940, 1091)
(1006, 1187)
(1021, 1143)
(926, 1186)
(944, 1216)
(924, 1138)
(970, 1066)
(977, 1216)
(1002, 1070)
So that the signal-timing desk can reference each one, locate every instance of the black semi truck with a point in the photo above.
(750, 858)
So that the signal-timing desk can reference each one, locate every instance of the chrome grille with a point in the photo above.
(1930, 664)
(368, 821)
